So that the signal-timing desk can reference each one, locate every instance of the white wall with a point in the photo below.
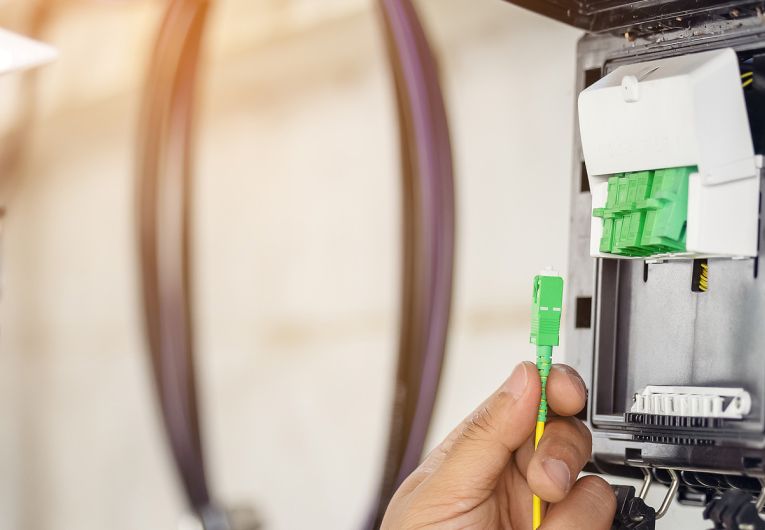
(296, 251)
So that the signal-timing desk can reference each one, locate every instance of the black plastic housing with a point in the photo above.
(639, 17)
(648, 326)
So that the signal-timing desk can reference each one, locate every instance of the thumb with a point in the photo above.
(483, 444)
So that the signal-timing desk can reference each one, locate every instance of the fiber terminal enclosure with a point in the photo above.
(666, 346)
(684, 113)
(671, 350)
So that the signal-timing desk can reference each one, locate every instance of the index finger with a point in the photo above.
(566, 392)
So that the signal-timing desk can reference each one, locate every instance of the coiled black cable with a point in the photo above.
(428, 242)
(164, 214)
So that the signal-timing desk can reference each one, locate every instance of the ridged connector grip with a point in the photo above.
(544, 363)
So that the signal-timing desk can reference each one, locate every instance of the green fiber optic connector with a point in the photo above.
(546, 305)
(646, 212)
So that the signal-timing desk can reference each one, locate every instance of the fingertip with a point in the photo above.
(566, 391)
(549, 478)
(600, 491)
(518, 383)
(515, 404)
(598, 487)
(590, 504)
(559, 458)
(535, 385)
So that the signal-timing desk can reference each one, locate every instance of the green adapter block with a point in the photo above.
(547, 300)
(646, 212)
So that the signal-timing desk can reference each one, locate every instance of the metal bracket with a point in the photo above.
(647, 481)
(670, 496)
(671, 493)
(760, 503)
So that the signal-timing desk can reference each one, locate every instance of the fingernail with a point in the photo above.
(579, 384)
(558, 472)
(516, 385)
(575, 380)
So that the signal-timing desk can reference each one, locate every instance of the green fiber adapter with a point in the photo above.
(646, 212)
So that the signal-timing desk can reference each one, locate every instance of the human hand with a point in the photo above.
(484, 473)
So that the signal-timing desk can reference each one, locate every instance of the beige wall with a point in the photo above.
(296, 251)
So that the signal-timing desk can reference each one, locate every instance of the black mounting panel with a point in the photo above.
(632, 324)
(640, 17)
